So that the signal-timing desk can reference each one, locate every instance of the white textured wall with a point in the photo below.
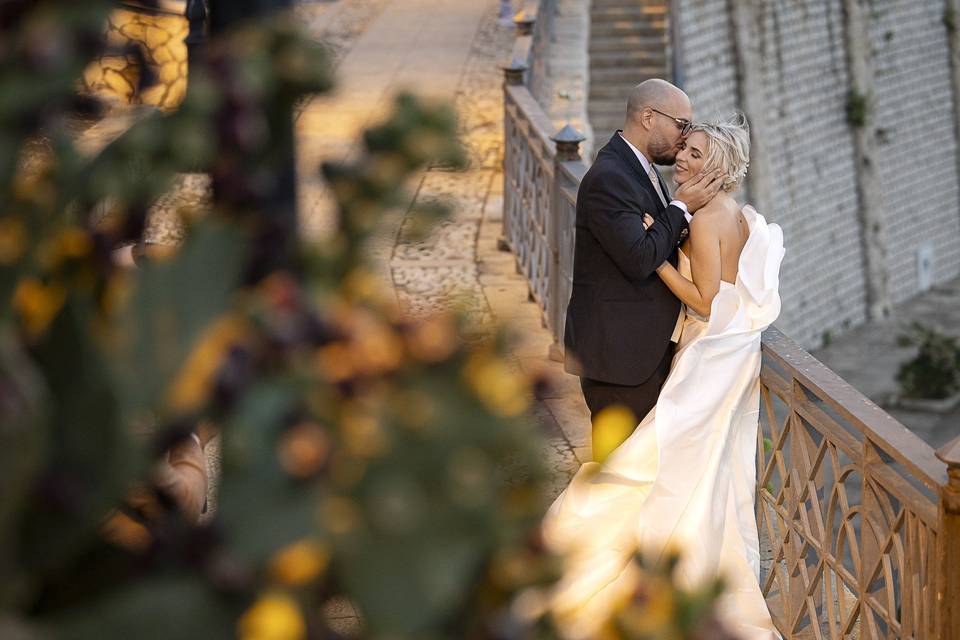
(811, 155)
(918, 161)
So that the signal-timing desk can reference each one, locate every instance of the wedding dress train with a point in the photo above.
(685, 478)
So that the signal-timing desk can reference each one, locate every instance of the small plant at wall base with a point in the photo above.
(934, 372)
(858, 108)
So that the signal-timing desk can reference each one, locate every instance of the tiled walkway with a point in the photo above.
(453, 51)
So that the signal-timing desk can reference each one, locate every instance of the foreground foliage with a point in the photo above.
(365, 454)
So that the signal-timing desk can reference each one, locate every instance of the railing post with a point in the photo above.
(512, 76)
(524, 22)
(513, 72)
(948, 547)
(505, 17)
(567, 142)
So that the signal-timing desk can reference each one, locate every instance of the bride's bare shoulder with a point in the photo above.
(716, 214)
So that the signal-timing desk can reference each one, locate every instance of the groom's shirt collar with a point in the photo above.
(646, 169)
(642, 158)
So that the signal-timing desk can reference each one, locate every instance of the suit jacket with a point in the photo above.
(621, 315)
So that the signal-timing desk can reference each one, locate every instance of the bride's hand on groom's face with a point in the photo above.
(700, 189)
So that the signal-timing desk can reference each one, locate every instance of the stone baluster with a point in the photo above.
(567, 142)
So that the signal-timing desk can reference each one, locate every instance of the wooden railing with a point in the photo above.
(859, 518)
(857, 509)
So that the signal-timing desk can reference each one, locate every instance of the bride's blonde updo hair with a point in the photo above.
(729, 148)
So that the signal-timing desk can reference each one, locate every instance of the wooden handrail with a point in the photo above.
(895, 439)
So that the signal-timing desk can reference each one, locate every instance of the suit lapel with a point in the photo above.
(619, 145)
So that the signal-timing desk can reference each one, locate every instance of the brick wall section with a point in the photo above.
(706, 57)
(917, 164)
(813, 169)
(811, 147)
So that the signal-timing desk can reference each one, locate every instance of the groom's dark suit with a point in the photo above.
(621, 315)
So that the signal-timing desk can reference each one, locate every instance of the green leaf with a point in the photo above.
(173, 302)
(163, 608)
(92, 453)
(23, 434)
(262, 506)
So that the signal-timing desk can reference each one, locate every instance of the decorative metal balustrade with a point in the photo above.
(859, 519)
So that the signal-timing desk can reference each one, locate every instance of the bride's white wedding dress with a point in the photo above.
(685, 479)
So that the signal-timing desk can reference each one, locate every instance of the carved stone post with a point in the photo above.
(948, 547)
(567, 141)
(524, 22)
(513, 72)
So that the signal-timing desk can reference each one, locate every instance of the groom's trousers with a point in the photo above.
(638, 398)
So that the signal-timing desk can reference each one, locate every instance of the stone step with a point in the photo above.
(626, 75)
(626, 28)
(634, 42)
(601, 6)
(630, 57)
(619, 91)
(631, 12)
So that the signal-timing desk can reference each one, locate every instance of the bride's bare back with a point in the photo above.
(721, 218)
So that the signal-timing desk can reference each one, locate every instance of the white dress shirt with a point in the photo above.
(646, 170)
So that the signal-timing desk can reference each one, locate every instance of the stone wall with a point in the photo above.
(918, 152)
(801, 79)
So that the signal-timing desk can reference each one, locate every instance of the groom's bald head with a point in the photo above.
(661, 95)
(656, 111)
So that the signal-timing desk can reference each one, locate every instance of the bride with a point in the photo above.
(685, 479)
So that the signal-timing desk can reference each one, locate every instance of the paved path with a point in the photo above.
(453, 51)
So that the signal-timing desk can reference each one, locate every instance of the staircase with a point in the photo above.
(629, 41)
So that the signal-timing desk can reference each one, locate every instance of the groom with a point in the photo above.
(622, 321)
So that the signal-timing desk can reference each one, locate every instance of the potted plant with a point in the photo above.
(930, 381)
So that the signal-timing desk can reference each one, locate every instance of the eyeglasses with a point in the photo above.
(684, 125)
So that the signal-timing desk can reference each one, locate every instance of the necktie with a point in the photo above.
(655, 181)
(678, 327)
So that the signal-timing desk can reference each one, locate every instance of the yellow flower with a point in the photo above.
(610, 428)
(274, 616)
(339, 515)
(335, 362)
(194, 382)
(304, 449)
(38, 304)
(502, 389)
(377, 349)
(414, 409)
(300, 562)
(126, 532)
(362, 433)
(433, 339)
(13, 240)
(68, 244)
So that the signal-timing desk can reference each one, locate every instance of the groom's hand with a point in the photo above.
(699, 190)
